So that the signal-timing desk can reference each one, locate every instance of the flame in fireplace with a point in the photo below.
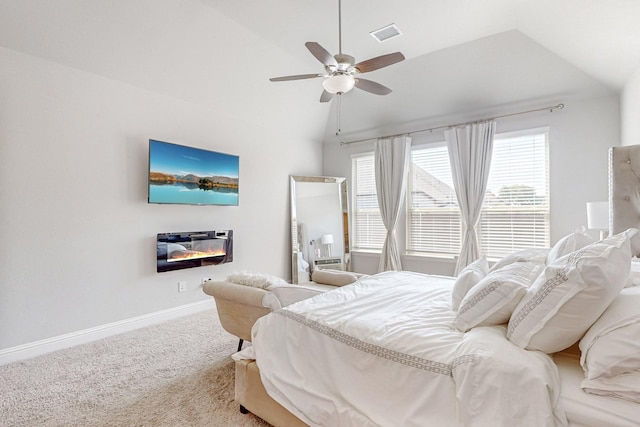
(182, 255)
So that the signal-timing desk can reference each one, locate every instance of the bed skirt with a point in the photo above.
(250, 393)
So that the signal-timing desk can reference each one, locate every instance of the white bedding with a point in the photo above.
(588, 410)
(383, 352)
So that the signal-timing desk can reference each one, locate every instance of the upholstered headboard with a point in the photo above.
(624, 189)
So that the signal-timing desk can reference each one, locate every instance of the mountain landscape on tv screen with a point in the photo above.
(191, 180)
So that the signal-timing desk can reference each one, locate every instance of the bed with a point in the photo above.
(541, 338)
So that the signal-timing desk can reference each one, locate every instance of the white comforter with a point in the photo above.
(383, 352)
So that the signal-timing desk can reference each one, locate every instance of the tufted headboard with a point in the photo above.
(624, 188)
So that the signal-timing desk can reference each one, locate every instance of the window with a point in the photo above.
(368, 230)
(433, 213)
(515, 214)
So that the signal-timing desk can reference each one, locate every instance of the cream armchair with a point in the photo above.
(240, 305)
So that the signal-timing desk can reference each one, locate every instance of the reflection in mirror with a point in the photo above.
(319, 225)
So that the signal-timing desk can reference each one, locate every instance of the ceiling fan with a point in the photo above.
(341, 70)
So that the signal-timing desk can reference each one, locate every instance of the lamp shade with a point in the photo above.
(327, 239)
(598, 215)
(340, 83)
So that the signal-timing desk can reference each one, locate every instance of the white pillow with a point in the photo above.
(569, 243)
(493, 299)
(287, 295)
(570, 295)
(538, 255)
(624, 386)
(612, 345)
(256, 280)
(467, 278)
(634, 274)
(333, 277)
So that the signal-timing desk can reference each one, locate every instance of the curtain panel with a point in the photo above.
(392, 156)
(470, 149)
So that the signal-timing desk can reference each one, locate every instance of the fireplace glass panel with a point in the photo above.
(193, 249)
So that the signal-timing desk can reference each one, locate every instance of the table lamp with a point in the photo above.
(327, 241)
(598, 217)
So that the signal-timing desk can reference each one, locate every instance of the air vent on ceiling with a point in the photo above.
(385, 33)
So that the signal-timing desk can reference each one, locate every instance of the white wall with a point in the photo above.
(580, 137)
(77, 236)
(630, 110)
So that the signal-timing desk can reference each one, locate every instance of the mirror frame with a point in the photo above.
(344, 206)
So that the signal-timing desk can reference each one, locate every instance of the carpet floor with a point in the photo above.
(178, 373)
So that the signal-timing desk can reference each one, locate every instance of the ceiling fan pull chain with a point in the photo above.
(338, 114)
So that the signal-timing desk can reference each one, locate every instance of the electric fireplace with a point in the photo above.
(193, 249)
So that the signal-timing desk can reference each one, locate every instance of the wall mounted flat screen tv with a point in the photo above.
(191, 176)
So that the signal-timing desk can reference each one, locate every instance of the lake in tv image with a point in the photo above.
(187, 175)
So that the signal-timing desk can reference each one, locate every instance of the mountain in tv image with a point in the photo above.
(194, 181)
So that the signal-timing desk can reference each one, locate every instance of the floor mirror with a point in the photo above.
(319, 225)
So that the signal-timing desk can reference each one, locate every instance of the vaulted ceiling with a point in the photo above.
(462, 55)
(601, 37)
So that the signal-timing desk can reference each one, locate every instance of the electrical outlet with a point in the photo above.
(182, 286)
(204, 280)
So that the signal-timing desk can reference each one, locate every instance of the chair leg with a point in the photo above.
(240, 344)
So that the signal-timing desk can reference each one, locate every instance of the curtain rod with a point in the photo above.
(551, 108)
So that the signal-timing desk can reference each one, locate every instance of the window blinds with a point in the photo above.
(368, 230)
(434, 216)
(515, 213)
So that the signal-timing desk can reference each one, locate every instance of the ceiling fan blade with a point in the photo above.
(326, 96)
(321, 54)
(296, 77)
(379, 62)
(372, 87)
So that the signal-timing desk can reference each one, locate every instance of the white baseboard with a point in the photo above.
(37, 348)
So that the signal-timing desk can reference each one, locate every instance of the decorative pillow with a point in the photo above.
(538, 256)
(612, 345)
(467, 278)
(570, 295)
(493, 299)
(256, 280)
(283, 295)
(333, 277)
(569, 243)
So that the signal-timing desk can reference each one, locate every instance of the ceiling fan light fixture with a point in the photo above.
(339, 83)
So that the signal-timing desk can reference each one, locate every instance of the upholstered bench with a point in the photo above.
(243, 298)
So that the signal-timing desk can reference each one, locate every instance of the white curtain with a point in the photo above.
(470, 149)
(391, 161)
